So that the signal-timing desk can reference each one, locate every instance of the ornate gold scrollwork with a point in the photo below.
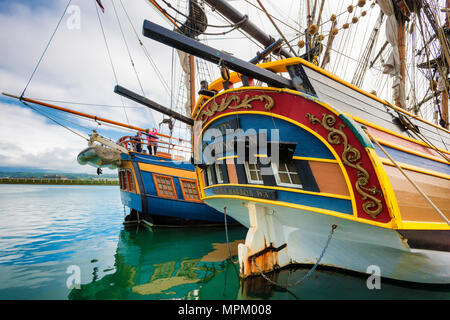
(226, 102)
(350, 156)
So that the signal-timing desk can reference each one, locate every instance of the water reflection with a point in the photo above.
(192, 263)
(331, 285)
(185, 263)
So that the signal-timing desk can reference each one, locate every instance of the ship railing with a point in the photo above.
(236, 80)
(159, 145)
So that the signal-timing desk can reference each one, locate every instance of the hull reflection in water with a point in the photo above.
(331, 284)
(192, 263)
(169, 263)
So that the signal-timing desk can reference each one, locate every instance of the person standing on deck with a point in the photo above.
(152, 145)
(138, 143)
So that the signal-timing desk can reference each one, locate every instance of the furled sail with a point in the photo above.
(392, 65)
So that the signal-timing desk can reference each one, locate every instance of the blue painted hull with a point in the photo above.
(161, 210)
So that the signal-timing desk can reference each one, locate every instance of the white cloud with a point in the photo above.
(28, 140)
(75, 68)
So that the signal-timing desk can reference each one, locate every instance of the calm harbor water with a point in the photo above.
(52, 235)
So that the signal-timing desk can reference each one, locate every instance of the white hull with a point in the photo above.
(354, 246)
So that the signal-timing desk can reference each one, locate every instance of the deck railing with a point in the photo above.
(159, 145)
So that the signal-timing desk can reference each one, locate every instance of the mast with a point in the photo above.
(191, 82)
(445, 92)
(309, 23)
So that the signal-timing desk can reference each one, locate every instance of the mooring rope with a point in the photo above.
(226, 235)
(306, 276)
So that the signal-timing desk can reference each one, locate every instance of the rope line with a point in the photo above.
(230, 256)
(109, 56)
(407, 177)
(50, 118)
(45, 50)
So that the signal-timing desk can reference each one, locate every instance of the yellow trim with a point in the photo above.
(370, 124)
(316, 159)
(374, 97)
(338, 159)
(416, 169)
(199, 175)
(328, 107)
(329, 195)
(254, 88)
(280, 66)
(417, 153)
(167, 171)
(388, 191)
(389, 225)
(227, 157)
(419, 225)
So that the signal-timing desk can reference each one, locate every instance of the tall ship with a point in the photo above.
(158, 182)
(321, 171)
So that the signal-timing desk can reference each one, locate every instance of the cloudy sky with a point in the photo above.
(76, 69)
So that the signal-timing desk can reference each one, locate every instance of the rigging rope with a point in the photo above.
(144, 49)
(50, 118)
(128, 49)
(109, 56)
(407, 177)
(45, 50)
(234, 26)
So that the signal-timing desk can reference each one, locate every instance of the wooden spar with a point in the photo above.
(309, 23)
(151, 104)
(191, 82)
(163, 12)
(326, 56)
(244, 24)
(85, 115)
(401, 32)
(188, 45)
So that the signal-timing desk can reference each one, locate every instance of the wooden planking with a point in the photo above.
(413, 206)
(379, 134)
(329, 178)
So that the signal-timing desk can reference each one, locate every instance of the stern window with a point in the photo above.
(286, 174)
(253, 172)
(219, 174)
(190, 190)
(130, 181)
(164, 186)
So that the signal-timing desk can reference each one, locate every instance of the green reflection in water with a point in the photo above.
(169, 263)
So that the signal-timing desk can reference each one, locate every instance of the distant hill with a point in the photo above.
(42, 173)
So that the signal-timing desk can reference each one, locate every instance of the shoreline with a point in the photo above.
(57, 182)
